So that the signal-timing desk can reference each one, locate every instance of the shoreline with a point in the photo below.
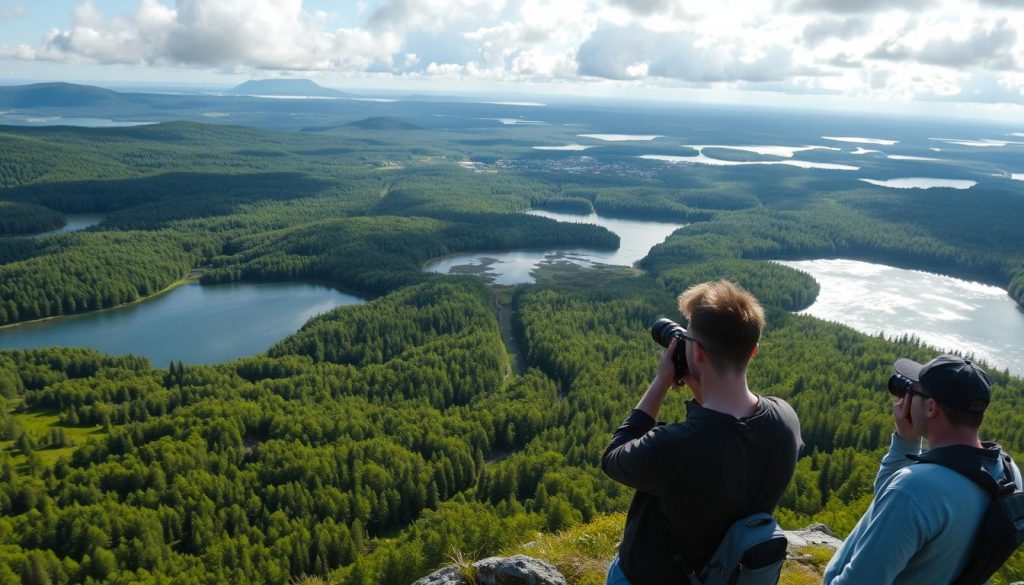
(190, 278)
(193, 277)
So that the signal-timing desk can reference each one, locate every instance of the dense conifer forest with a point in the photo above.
(382, 439)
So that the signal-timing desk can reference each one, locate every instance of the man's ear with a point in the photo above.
(753, 352)
(932, 408)
(698, 352)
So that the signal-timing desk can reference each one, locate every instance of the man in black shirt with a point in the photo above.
(733, 456)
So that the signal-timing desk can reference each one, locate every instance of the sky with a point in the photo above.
(909, 54)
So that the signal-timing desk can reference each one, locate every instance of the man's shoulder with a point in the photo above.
(776, 403)
(927, 478)
(778, 409)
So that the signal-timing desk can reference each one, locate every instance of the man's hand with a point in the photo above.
(904, 424)
(664, 379)
(666, 374)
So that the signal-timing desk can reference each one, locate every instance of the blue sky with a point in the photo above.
(955, 54)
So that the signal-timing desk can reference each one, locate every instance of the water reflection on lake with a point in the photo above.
(508, 268)
(193, 323)
(922, 183)
(947, 313)
(704, 159)
(16, 120)
(75, 222)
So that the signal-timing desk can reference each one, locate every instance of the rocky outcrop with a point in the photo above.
(524, 570)
(516, 570)
(815, 535)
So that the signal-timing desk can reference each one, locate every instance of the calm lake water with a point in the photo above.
(508, 268)
(946, 313)
(192, 323)
(922, 183)
(15, 120)
(75, 222)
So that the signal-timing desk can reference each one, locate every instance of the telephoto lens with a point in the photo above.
(663, 331)
(899, 385)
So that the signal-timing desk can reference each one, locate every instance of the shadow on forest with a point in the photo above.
(203, 193)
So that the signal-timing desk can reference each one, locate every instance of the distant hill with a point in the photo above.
(58, 95)
(373, 123)
(384, 123)
(285, 87)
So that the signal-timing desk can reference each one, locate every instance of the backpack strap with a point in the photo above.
(966, 461)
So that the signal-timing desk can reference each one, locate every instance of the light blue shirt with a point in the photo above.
(919, 527)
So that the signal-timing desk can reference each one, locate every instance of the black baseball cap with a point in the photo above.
(952, 381)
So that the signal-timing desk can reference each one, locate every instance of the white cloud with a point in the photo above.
(648, 7)
(858, 6)
(878, 49)
(622, 52)
(433, 15)
(1003, 3)
(841, 28)
(989, 44)
(260, 34)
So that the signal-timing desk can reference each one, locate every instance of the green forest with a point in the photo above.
(381, 440)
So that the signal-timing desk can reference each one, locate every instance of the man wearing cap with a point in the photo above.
(920, 526)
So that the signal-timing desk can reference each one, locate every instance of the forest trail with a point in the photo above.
(515, 365)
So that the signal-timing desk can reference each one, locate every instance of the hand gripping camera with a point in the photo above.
(664, 331)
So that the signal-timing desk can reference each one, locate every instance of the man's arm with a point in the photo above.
(895, 531)
(904, 440)
(895, 459)
(663, 380)
(632, 457)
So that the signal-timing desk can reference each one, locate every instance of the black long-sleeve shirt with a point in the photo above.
(695, 479)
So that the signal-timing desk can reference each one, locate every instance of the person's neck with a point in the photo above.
(729, 395)
(944, 437)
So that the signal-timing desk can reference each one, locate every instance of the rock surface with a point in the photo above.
(524, 570)
(516, 570)
(814, 535)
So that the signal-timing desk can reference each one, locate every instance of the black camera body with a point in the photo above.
(663, 331)
(899, 385)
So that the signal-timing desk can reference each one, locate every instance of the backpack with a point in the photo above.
(751, 553)
(1002, 525)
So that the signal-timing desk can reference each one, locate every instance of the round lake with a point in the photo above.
(946, 313)
(636, 238)
(192, 323)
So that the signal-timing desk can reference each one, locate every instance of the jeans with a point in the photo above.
(615, 575)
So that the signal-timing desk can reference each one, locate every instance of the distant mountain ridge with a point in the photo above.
(58, 95)
(285, 87)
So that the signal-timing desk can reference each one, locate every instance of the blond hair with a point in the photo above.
(727, 319)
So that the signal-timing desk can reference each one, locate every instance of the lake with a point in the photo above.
(944, 312)
(192, 323)
(922, 183)
(508, 268)
(72, 121)
(75, 222)
(704, 159)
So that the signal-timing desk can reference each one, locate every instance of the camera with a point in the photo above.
(664, 331)
(899, 385)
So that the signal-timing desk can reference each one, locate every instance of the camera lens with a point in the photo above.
(664, 330)
(899, 385)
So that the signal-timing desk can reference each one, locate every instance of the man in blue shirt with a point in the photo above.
(919, 528)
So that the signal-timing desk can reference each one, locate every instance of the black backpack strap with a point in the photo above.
(1009, 483)
(966, 461)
